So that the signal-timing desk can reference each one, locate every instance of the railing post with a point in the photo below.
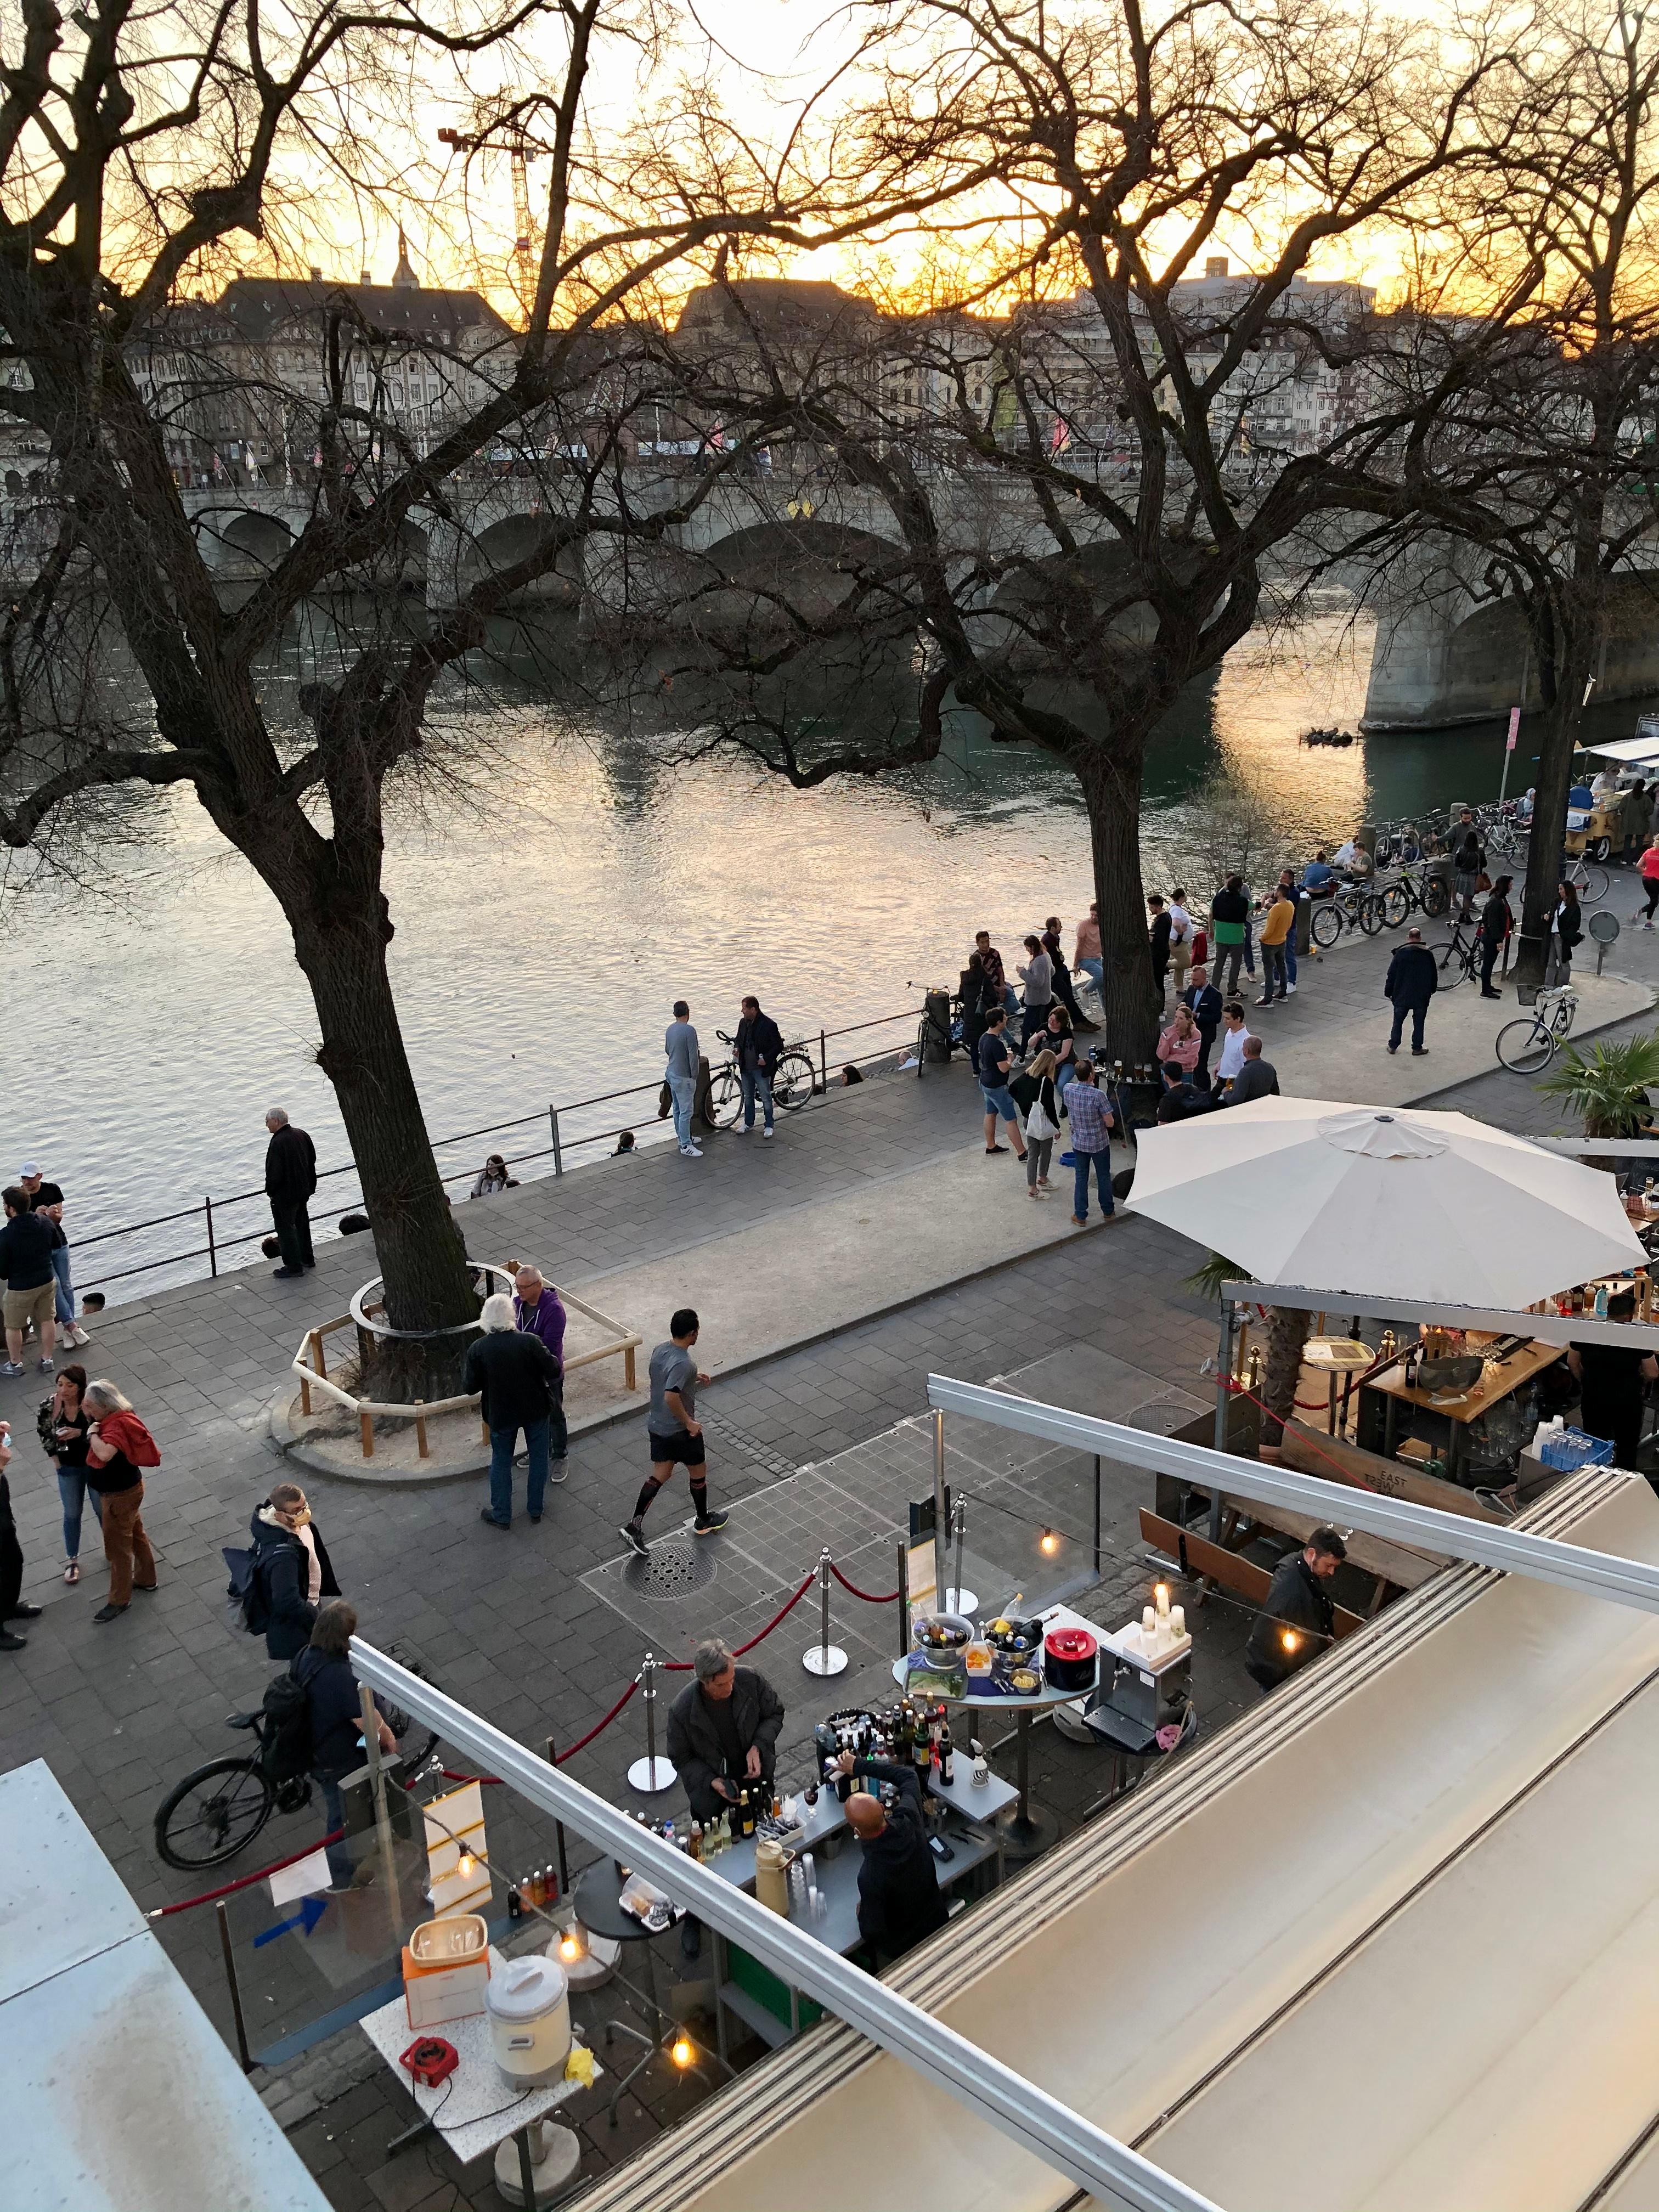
(236, 1987)
(824, 1658)
(558, 1152)
(558, 1830)
(941, 1516)
(823, 1062)
(903, 1598)
(213, 1257)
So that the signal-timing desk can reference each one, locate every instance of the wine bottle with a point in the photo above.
(923, 1749)
(514, 1902)
(944, 1755)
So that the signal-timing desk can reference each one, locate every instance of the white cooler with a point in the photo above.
(529, 2008)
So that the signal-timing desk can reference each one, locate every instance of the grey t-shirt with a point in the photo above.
(672, 1367)
(680, 1044)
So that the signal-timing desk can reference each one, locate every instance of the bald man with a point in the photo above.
(899, 1900)
(538, 1310)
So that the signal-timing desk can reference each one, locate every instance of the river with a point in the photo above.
(543, 929)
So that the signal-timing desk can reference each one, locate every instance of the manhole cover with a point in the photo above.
(677, 1565)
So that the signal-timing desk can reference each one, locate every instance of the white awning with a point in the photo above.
(1632, 752)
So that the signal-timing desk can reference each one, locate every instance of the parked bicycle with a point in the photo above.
(1460, 957)
(218, 1810)
(794, 1081)
(1413, 893)
(1530, 1044)
(1352, 906)
(1588, 878)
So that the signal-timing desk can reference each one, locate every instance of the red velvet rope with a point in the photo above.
(244, 1881)
(683, 1665)
(600, 1727)
(868, 1596)
(1350, 1476)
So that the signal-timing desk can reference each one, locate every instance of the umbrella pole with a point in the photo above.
(1223, 1375)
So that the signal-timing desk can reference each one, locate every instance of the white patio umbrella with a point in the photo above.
(1369, 1201)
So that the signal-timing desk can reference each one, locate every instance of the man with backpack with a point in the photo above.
(285, 1576)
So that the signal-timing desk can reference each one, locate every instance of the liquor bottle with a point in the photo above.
(944, 1755)
(694, 1841)
(514, 1902)
(743, 1819)
(922, 1750)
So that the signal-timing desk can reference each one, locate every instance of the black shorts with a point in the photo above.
(684, 1449)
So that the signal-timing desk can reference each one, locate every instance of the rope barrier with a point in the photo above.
(683, 1665)
(868, 1596)
(1351, 1476)
(244, 1881)
(602, 1725)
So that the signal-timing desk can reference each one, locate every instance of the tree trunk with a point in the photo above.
(417, 1241)
(1287, 1331)
(1111, 792)
(1549, 818)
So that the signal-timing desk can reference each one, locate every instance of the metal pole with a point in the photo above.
(1225, 1359)
(903, 1551)
(823, 1062)
(824, 1658)
(213, 1257)
(235, 1990)
(940, 1516)
(1097, 1516)
(558, 1152)
(650, 1774)
(382, 1811)
(558, 1832)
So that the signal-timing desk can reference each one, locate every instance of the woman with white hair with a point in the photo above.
(118, 1449)
(518, 1382)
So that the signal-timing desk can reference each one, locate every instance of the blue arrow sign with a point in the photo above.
(311, 1910)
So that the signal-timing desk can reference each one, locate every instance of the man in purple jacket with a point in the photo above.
(537, 1309)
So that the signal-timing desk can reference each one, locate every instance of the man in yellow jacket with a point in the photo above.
(1276, 927)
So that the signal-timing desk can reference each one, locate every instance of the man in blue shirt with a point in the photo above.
(994, 1061)
(684, 1057)
(1090, 1118)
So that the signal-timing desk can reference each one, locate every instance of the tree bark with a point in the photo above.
(1111, 792)
(417, 1241)
(1553, 781)
(1287, 1331)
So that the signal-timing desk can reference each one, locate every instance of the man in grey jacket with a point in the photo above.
(723, 1730)
(683, 1056)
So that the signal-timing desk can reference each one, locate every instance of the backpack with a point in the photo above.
(247, 1607)
(286, 1736)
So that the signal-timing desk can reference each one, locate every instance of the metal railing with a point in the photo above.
(218, 1245)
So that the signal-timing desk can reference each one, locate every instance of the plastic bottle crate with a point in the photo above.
(1572, 1449)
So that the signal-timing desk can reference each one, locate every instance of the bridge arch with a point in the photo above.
(262, 538)
(516, 537)
(811, 564)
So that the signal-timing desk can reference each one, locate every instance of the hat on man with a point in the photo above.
(29, 1168)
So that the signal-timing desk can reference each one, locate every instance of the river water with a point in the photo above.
(543, 929)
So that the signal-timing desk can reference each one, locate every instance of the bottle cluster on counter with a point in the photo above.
(906, 1735)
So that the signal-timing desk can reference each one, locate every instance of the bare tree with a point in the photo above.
(1066, 509)
(142, 155)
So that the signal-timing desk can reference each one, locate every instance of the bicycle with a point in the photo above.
(217, 1811)
(1353, 906)
(794, 1081)
(1530, 1044)
(1590, 881)
(1463, 952)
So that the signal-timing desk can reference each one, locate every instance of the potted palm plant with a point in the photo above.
(1608, 1087)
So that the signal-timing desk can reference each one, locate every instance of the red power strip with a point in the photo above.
(430, 2060)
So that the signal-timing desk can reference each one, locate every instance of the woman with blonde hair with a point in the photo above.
(118, 1449)
(1042, 1123)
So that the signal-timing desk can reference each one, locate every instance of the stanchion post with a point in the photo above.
(824, 1658)
(650, 1774)
(903, 1551)
(558, 1832)
(235, 1988)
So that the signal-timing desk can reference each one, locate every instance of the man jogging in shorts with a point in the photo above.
(675, 1433)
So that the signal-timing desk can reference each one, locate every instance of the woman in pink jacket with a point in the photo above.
(1178, 1047)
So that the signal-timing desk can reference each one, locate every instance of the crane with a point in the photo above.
(521, 269)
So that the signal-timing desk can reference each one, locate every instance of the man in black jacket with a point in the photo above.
(1157, 932)
(756, 1048)
(1299, 1618)
(723, 1730)
(518, 1382)
(12, 1606)
(1205, 1003)
(1497, 920)
(291, 1179)
(334, 1709)
(1412, 981)
(899, 1900)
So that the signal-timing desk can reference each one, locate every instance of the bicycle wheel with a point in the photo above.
(1436, 895)
(1394, 904)
(724, 1097)
(793, 1080)
(1456, 965)
(1592, 886)
(1327, 926)
(213, 1814)
(1370, 916)
(1526, 1046)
